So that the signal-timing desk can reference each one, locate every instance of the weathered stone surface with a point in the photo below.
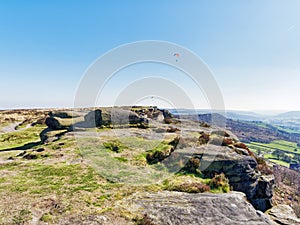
(114, 117)
(284, 215)
(57, 123)
(93, 118)
(241, 171)
(177, 208)
(121, 117)
(168, 117)
(262, 198)
(66, 114)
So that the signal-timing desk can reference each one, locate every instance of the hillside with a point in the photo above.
(119, 165)
(248, 131)
(288, 115)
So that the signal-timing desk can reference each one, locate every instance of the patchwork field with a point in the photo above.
(279, 151)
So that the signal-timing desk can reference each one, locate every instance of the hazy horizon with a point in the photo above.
(251, 47)
(258, 112)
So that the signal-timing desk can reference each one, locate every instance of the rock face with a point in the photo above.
(240, 169)
(94, 118)
(172, 208)
(57, 123)
(284, 215)
(62, 120)
(262, 197)
(75, 120)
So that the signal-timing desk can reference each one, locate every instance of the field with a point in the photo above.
(279, 151)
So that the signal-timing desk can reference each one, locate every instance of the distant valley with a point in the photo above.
(275, 137)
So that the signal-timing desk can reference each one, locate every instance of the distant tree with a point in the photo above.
(296, 158)
(287, 158)
(278, 154)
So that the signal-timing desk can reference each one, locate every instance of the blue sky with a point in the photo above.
(252, 47)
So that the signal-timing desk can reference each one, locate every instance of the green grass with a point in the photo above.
(39, 179)
(284, 145)
(280, 162)
(20, 138)
(128, 166)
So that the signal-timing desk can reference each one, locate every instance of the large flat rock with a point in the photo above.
(172, 208)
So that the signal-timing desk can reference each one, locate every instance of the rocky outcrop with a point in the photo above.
(262, 197)
(76, 120)
(168, 117)
(93, 119)
(123, 117)
(172, 208)
(57, 123)
(66, 114)
(283, 215)
(240, 169)
(50, 135)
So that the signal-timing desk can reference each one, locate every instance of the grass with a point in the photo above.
(186, 183)
(20, 138)
(115, 146)
(62, 143)
(25, 182)
(91, 187)
(279, 162)
(128, 166)
(197, 184)
(43, 179)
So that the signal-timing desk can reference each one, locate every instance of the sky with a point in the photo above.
(251, 47)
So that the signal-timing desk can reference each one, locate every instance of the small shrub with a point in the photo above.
(203, 139)
(264, 169)
(192, 166)
(191, 188)
(114, 146)
(161, 151)
(47, 217)
(262, 166)
(220, 182)
(227, 141)
(241, 145)
(186, 183)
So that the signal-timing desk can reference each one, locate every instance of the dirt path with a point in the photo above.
(12, 128)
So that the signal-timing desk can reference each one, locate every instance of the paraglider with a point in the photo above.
(176, 55)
